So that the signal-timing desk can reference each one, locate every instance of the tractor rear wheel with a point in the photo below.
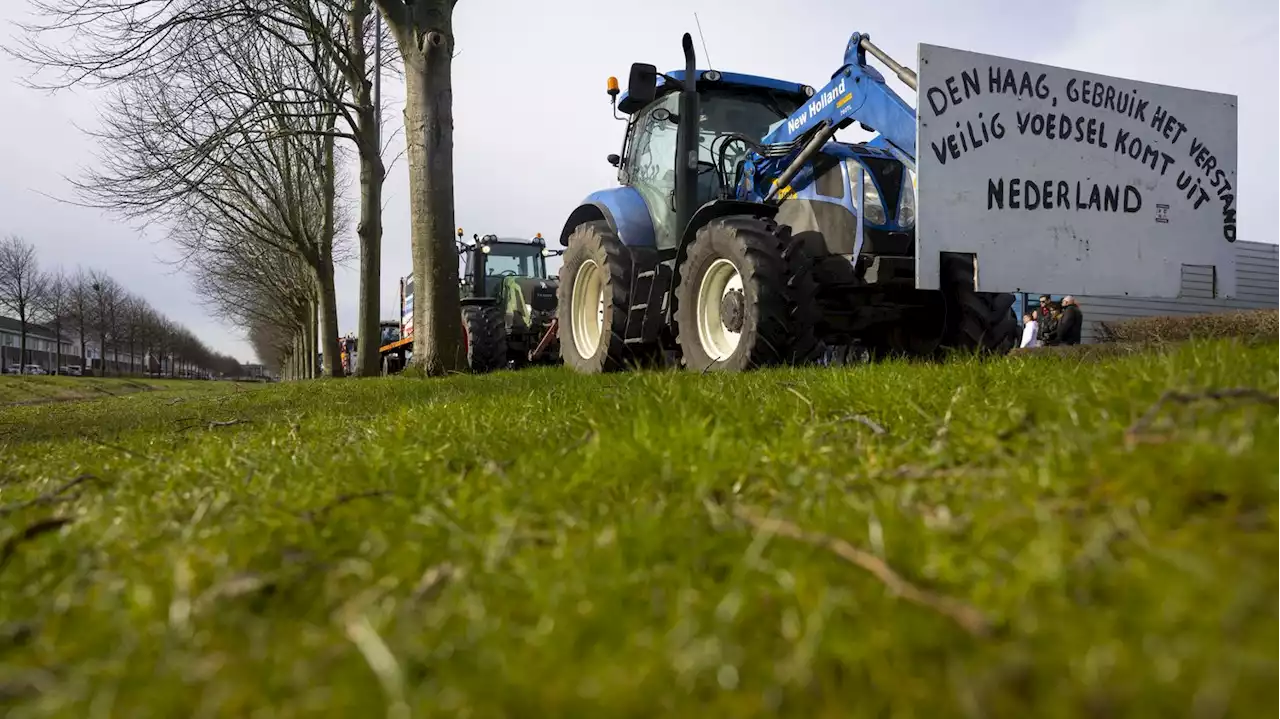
(745, 298)
(592, 299)
(485, 338)
(976, 321)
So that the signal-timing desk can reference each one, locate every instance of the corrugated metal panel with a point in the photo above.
(1258, 287)
(1198, 281)
(1256, 271)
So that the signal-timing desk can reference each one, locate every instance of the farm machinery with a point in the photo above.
(742, 235)
(508, 306)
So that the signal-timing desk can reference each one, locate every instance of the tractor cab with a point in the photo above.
(388, 332)
(734, 111)
(512, 272)
(496, 259)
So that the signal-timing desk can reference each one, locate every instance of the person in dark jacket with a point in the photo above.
(1068, 330)
(1048, 322)
(1042, 317)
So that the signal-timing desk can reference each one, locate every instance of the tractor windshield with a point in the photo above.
(514, 258)
(736, 112)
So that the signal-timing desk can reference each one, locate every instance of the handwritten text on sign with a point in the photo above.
(1199, 174)
(1069, 181)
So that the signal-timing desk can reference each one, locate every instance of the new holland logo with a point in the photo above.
(818, 105)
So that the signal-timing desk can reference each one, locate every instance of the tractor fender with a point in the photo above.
(705, 214)
(625, 211)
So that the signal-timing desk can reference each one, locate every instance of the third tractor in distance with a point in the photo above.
(743, 235)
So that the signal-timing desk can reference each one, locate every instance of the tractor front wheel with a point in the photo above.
(592, 299)
(485, 338)
(745, 298)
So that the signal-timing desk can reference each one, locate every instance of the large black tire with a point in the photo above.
(486, 338)
(595, 244)
(976, 321)
(777, 308)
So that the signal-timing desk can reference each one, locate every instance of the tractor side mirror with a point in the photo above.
(642, 87)
(614, 159)
(662, 114)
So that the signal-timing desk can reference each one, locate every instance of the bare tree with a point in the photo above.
(133, 312)
(80, 311)
(105, 314)
(262, 293)
(56, 310)
(150, 42)
(423, 30)
(22, 286)
(235, 146)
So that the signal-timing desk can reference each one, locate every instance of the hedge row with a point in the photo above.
(1244, 324)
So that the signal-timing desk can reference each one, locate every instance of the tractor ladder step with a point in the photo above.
(641, 289)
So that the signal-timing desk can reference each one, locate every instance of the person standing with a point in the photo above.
(1030, 327)
(1047, 321)
(1068, 330)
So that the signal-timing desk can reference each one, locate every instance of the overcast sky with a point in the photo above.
(533, 127)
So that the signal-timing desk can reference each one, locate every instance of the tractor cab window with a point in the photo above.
(516, 259)
(510, 259)
(651, 160)
(733, 112)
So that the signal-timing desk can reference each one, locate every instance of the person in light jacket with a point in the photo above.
(1029, 331)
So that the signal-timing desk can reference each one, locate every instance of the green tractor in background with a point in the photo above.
(508, 303)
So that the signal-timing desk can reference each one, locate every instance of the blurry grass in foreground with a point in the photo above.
(1027, 537)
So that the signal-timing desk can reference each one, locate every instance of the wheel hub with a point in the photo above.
(720, 310)
(732, 310)
(587, 311)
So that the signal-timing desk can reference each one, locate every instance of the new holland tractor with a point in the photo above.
(742, 235)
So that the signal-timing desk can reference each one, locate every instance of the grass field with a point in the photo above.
(1030, 537)
(36, 389)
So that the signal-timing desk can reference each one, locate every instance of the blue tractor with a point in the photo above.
(742, 235)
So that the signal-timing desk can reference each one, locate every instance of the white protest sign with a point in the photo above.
(1069, 182)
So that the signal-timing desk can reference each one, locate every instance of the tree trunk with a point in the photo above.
(313, 334)
(329, 323)
(372, 176)
(313, 322)
(308, 348)
(22, 345)
(324, 267)
(427, 48)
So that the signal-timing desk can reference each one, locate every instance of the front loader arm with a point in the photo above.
(856, 92)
